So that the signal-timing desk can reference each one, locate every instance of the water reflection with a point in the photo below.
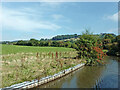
(90, 77)
(110, 74)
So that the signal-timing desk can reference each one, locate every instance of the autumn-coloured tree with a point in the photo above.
(90, 48)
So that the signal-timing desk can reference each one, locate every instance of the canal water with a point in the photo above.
(90, 77)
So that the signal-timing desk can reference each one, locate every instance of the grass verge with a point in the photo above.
(27, 65)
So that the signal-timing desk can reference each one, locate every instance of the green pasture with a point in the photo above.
(13, 49)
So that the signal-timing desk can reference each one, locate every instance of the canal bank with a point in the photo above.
(35, 83)
(105, 76)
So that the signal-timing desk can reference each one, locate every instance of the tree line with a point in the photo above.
(50, 43)
(109, 42)
(91, 47)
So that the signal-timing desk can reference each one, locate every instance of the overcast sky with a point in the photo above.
(25, 20)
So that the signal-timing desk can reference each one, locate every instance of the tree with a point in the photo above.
(33, 42)
(68, 44)
(21, 42)
(55, 44)
(109, 37)
(73, 45)
(89, 49)
(42, 43)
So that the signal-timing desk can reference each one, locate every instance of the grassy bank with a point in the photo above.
(25, 63)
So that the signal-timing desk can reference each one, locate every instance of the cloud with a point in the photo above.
(113, 17)
(20, 20)
(57, 16)
(50, 5)
(60, 18)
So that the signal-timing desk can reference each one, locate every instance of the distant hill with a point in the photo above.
(10, 42)
(68, 37)
(63, 37)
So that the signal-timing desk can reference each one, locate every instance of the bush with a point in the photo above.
(90, 49)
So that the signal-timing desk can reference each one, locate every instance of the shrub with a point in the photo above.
(90, 49)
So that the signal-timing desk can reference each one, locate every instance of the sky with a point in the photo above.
(25, 20)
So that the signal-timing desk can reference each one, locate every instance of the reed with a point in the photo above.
(52, 55)
(60, 54)
(23, 66)
(56, 55)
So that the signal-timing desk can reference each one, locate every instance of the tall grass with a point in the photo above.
(26, 66)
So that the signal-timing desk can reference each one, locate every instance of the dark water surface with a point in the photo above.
(90, 77)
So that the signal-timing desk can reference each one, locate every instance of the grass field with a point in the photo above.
(23, 63)
(13, 49)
